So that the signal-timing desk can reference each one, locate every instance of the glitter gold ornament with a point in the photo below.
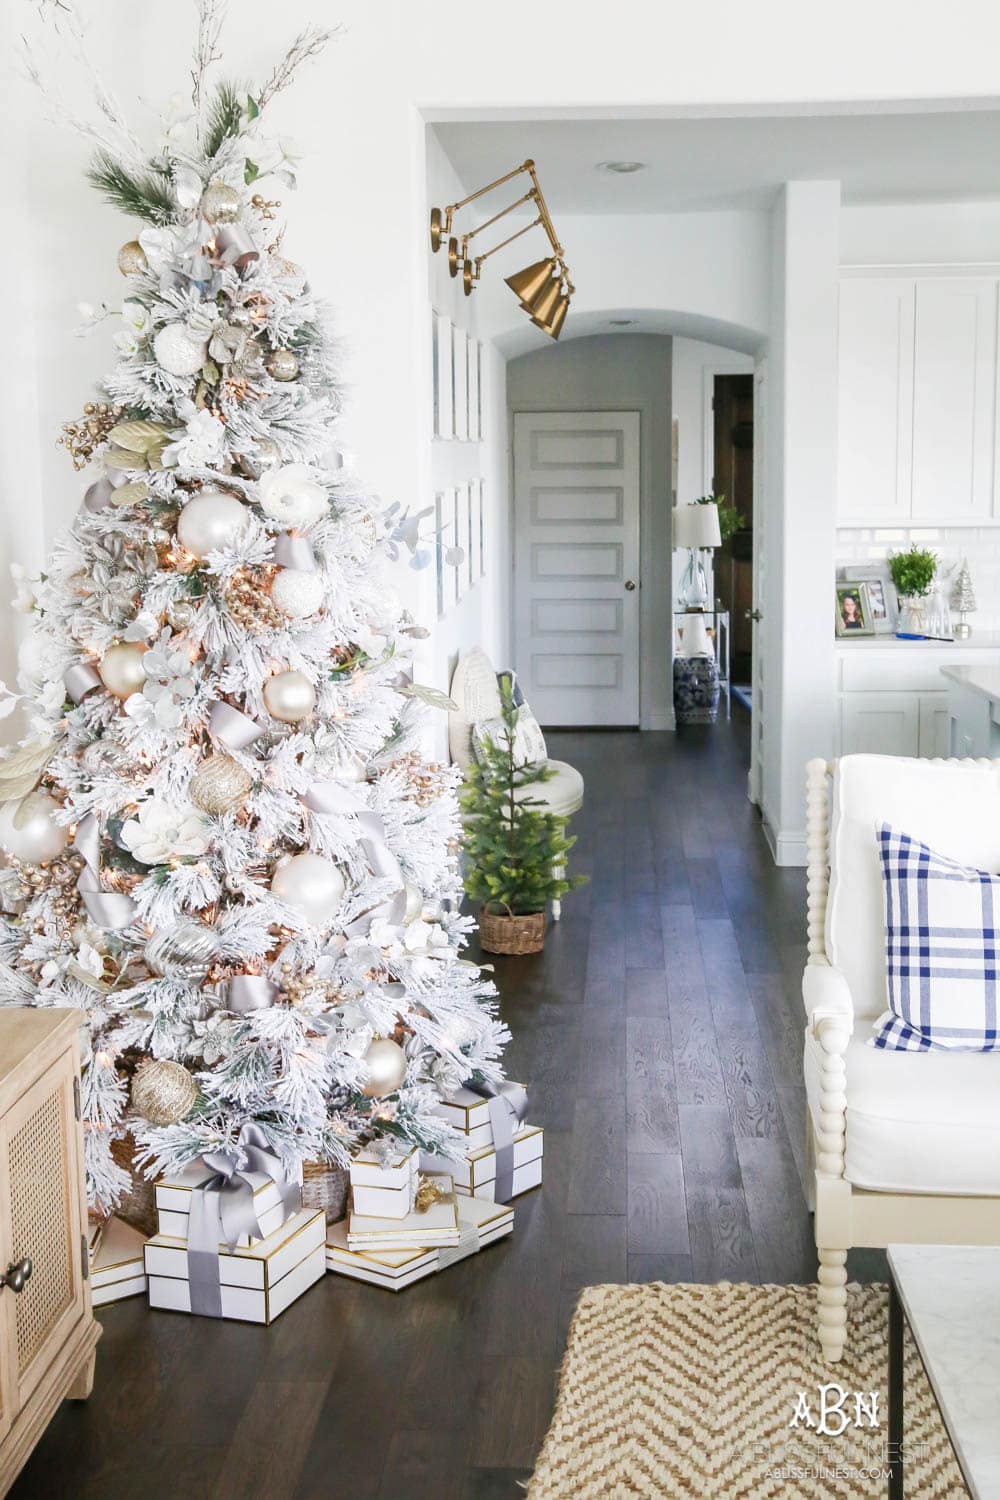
(82, 438)
(282, 364)
(132, 258)
(121, 668)
(386, 1068)
(163, 1092)
(220, 203)
(219, 785)
(289, 696)
(186, 951)
(298, 593)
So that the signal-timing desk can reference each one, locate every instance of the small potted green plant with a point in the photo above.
(913, 573)
(515, 850)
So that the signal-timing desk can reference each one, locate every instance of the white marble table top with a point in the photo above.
(984, 680)
(951, 1297)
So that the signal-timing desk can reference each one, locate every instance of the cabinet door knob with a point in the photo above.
(630, 584)
(16, 1275)
(753, 614)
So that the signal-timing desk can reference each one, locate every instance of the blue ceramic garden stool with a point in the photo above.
(696, 689)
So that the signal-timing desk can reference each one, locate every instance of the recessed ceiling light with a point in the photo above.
(621, 166)
(622, 322)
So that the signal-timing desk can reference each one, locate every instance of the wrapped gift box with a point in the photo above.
(469, 1113)
(424, 1229)
(258, 1281)
(476, 1176)
(173, 1202)
(384, 1189)
(480, 1224)
(116, 1262)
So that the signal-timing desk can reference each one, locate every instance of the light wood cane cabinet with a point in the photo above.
(47, 1329)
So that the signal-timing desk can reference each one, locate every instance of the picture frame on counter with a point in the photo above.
(853, 615)
(881, 593)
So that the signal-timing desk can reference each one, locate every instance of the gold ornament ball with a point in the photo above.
(121, 668)
(386, 1062)
(220, 203)
(282, 364)
(163, 1092)
(28, 830)
(219, 785)
(132, 258)
(289, 696)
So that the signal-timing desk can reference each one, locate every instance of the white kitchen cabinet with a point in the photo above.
(875, 410)
(880, 724)
(934, 728)
(892, 698)
(954, 398)
(917, 399)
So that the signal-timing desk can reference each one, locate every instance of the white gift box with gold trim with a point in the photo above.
(476, 1176)
(479, 1225)
(426, 1228)
(384, 1189)
(257, 1281)
(116, 1262)
(173, 1202)
(469, 1113)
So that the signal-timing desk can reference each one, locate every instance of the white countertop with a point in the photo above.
(951, 1297)
(987, 640)
(982, 679)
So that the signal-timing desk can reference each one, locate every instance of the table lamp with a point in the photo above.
(696, 527)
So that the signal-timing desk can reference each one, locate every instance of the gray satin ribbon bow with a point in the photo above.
(222, 1209)
(246, 992)
(294, 552)
(80, 679)
(107, 908)
(338, 797)
(508, 1105)
(235, 729)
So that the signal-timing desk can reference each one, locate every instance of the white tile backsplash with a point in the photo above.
(980, 546)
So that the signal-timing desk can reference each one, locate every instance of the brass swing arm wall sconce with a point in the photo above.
(543, 289)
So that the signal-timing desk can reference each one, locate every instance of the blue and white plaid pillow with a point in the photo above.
(942, 921)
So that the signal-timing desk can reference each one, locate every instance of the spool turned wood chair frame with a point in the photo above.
(845, 1215)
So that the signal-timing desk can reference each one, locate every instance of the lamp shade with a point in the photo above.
(527, 284)
(697, 526)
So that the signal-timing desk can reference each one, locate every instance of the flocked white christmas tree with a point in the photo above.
(224, 843)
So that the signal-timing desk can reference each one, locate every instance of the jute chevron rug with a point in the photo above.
(693, 1391)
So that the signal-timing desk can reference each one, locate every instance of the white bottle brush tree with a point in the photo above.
(224, 844)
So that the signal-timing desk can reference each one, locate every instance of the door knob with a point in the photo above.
(630, 584)
(16, 1275)
(753, 614)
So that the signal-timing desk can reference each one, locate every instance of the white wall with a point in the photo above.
(625, 372)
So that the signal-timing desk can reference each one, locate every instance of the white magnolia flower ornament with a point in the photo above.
(199, 444)
(287, 494)
(163, 830)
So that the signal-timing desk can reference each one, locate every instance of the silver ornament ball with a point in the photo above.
(282, 364)
(132, 258)
(311, 884)
(163, 1092)
(102, 755)
(386, 1062)
(121, 668)
(298, 592)
(414, 901)
(185, 951)
(220, 203)
(219, 785)
(28, 830)
(181, 613)
(210, 521)
(289, 696)
(177, 352)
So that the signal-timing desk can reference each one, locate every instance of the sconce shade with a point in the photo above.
(697, 526)
(558, 317)
(527, 284)
(544, 305)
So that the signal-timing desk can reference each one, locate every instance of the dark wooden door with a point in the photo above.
(733, 412)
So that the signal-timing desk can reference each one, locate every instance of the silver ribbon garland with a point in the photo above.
(338, 797)
(109, 909)
(246, 992)
(80, 679)
(235, 246)
(222, 1209)
(508, 1105)
(292, 551)
(98, 495)
(235, 729)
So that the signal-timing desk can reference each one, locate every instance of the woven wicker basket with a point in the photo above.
(325, 1187)
(138, 1207)
(510, 933)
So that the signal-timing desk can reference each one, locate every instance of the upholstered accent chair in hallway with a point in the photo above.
(904, 1147)
(475, 692)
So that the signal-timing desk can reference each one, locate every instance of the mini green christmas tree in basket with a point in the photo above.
(515, 850)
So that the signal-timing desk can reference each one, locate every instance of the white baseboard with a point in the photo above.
(661, 721)
(788, 846)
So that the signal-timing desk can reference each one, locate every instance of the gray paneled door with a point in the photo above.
(576, 565)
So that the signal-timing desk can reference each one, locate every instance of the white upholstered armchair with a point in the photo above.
(903, 1146)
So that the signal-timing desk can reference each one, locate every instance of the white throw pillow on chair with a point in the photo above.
(529, 742)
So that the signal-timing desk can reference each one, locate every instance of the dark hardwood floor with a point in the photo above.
(660, 1033)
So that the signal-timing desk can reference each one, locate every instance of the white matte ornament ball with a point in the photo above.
(121, 668)
(39, 837)
(310, 883)
(211, 520)
(386, 1068)
(289, 696)
(298, 592)
(178, 353)
(414, 902)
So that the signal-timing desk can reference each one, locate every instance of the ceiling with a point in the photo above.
(910, 153)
